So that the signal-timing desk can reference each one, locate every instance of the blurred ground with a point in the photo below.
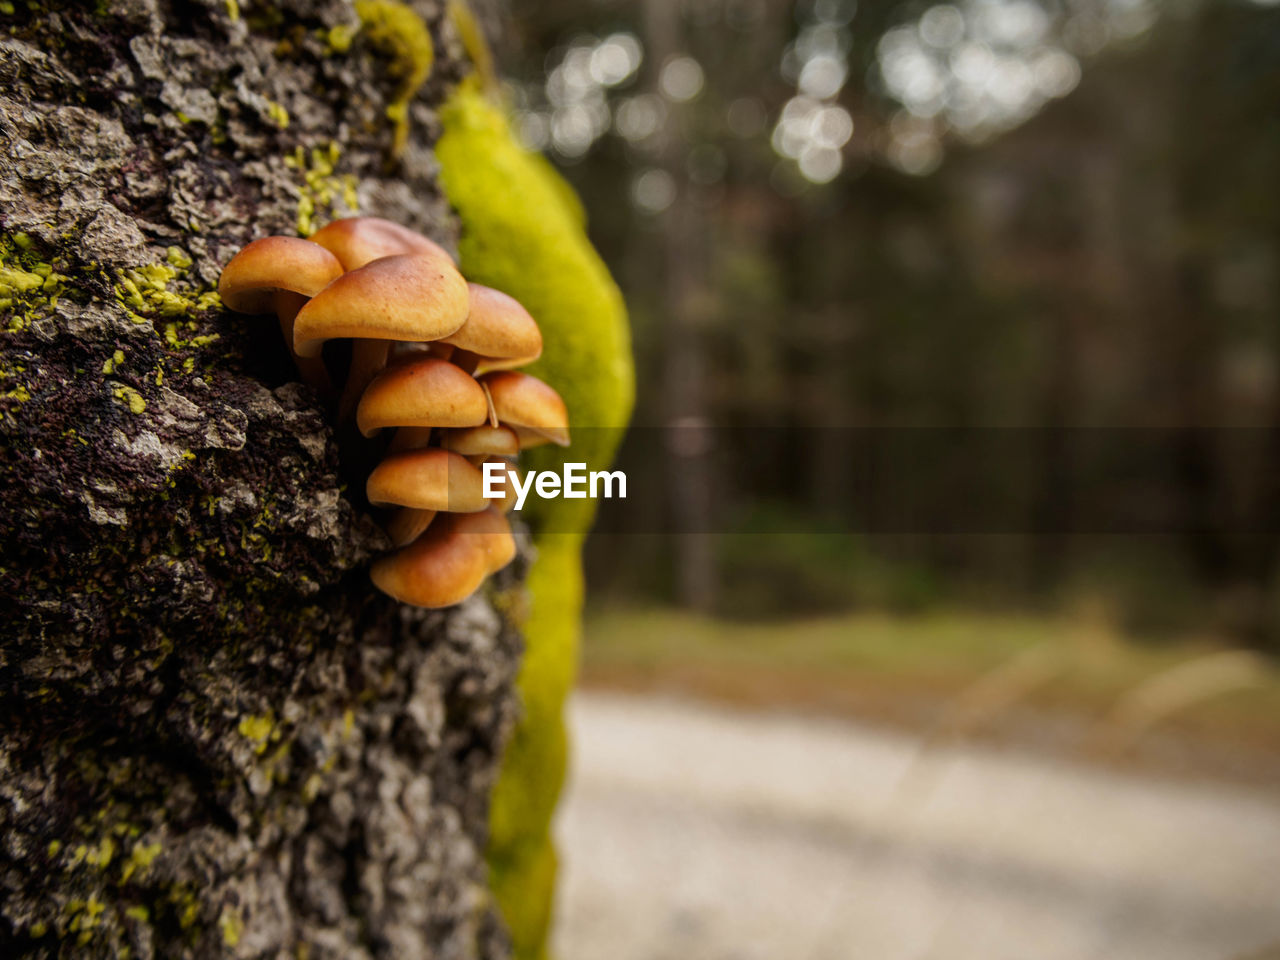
(707, 833)
(1073, 686)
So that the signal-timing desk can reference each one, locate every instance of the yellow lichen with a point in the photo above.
(278, 114)
(146, 292)
(178, 258)
(100, 856)
(130, 397)
(323, 191)
(339, 38)
(140, 859)
(231, 926)
(522, 232)
(257, 730)
(109, 365)
(29, 288)
(397, 31)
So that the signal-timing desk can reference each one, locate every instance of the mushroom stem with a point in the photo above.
(488, 399)
(313, 371)
(368, 357)
(409, 438)
(442, 351)
(465, 359)
(407, 524)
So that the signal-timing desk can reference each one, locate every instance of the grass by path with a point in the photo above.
(1073, 685)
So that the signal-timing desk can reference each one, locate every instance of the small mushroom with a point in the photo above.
(427, 479)
(482, 441)
(529, 406)
(438, 569)
(493, 531)
(447, 563)
(498, 333)
(280, 275)
(356, 242)
(421, 393)
(400, 297)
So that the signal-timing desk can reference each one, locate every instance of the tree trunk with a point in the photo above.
(217, 739)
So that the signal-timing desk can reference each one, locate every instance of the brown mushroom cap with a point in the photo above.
(429, 479)
(492, 531)
(528, 405)
(249, 282)
(483, 441)
(448, 563)
(421, 393)
(497, 328)
(442, 567)
(403, 297)
(356, 241)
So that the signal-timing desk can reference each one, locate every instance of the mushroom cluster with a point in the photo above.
(433, 359)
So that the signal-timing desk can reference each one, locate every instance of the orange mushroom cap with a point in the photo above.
(439, 569)
(448, 563)
(250, 280)
(421, 393)
(427, 479)
(529, 406)
(402, 297)
(481, 441)
(497, 328)
(492, 530)
(356, 241)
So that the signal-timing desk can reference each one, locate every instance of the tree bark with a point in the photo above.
(217, 739)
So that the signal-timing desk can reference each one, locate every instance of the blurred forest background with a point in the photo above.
(957, 328)
(1056, 217)
(1031, 235)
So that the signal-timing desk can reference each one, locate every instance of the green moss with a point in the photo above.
(522, 232)
(473, 42)
(399, 33)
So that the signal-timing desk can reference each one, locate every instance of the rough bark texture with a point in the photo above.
(217, 739)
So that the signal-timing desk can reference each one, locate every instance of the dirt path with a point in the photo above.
(693, 833)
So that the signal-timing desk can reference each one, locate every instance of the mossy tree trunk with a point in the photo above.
(217, 739)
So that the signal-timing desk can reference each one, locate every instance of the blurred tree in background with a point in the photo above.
(1050, 217)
